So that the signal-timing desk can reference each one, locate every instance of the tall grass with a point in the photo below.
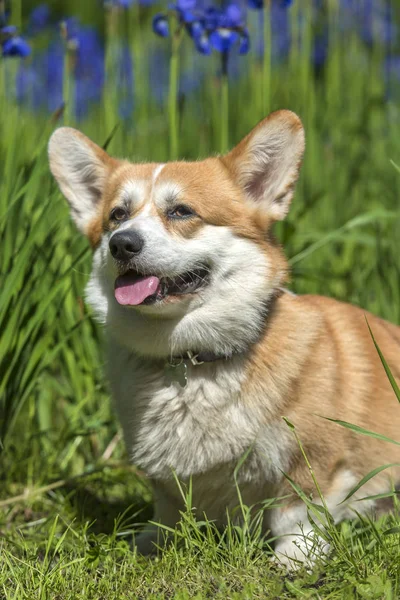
(342, 235)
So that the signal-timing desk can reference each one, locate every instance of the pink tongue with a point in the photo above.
(133, 290)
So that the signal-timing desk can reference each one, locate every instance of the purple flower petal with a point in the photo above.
(39, 19)
(8, 30)
(186, 16)
(256, 4)
(223, 39)
(16, 46)
(202, 43)
(234, 15)
(185, 5)
(161, 25)
(212, 16)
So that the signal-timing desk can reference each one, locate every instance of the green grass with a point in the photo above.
(69, 500)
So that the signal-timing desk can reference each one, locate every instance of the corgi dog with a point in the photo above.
(206, 350)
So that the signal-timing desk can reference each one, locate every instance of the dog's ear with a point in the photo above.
(266, 162)
(81, 169)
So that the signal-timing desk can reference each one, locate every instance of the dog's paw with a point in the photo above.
(294, 555)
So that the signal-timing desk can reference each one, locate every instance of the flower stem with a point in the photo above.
(3, 81)
(266, 72)
(139, 92)
(67, 96)
(110, 87)
(16, 13)
(173, 96)
(69, 85)
(224, 104)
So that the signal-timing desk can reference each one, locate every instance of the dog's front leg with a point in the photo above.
(166, 512)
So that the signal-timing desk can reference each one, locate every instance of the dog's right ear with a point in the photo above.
(81, 169)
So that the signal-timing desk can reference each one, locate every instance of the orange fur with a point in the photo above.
(318, 359)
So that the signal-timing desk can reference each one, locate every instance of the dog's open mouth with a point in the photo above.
(133, 288)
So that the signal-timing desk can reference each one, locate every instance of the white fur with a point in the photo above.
(213, 319)
(134, 191)
(199, 432)
(164, 191)
(156, 173)
(297, 541)
(80, 173)
(165, 422)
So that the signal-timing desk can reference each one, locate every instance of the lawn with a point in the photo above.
(70, 501)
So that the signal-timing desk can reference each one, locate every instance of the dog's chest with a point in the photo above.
(188, 430)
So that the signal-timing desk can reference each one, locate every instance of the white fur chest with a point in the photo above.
(206, 426)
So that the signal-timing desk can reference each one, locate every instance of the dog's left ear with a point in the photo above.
(81, 168)
(266, 162)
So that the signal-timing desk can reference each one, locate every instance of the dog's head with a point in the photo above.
(184, 258)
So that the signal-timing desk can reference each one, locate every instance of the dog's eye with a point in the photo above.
(181, 212)
(118, 214)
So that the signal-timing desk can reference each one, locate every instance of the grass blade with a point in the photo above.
(361, 430)
(392, 380)
(366, 478)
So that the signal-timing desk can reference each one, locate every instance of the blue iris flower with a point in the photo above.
(158, 68)
(228, 28)
(39, 19)
(29, 84)
(372, 18)
(221, 30)
(70, 28)
(16, 46)
(202, 41)
(40, 82)
(210, 28)
(12, 44)
(222, 39)
(185, 10)
(8, 30)
(53, 61)
(161, 25)
(88, 69)
(280, 23)
(187, 14)
(125, 81)
(259, 4)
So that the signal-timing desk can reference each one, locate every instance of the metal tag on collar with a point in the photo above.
(176, 373)
(193, 359)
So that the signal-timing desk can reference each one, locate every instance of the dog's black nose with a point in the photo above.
(125, 244)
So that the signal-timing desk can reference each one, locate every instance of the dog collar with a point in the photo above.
(176, 369)
(200, 357)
